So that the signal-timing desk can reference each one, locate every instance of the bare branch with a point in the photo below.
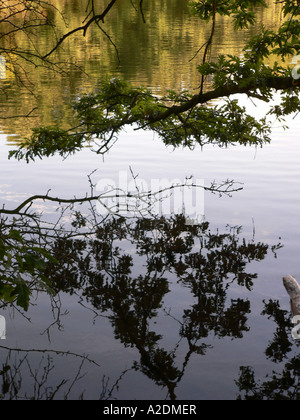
(28, 115)
(142, 11)
(58, 352)
(139, 202)
(95, 18)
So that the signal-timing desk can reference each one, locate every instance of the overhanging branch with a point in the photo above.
(226, 187)
(274, 82)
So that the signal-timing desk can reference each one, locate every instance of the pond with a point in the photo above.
(154, 309)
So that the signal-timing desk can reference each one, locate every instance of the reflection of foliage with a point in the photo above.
(103, 269)
(125, 269)
(276, 386)
(281, 345)
(104, 114)
(284, 386)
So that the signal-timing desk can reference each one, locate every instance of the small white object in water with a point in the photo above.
(2, 328)
(293, 289)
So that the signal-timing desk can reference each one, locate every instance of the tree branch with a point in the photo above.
(272, 82)
(227, 187)
(209, 42)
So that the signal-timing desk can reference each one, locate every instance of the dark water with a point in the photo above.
(157, 311)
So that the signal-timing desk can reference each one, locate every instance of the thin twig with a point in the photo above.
(84, 28)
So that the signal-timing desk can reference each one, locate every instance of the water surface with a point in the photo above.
(182, 349)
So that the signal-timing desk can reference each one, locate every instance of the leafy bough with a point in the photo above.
(180, 119)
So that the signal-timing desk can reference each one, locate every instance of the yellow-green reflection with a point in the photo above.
(157, 53)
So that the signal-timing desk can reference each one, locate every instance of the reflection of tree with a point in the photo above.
(124, 269)
(105, 270)
(278, 348)
(46, 383)
(276, 386)
(283, 386)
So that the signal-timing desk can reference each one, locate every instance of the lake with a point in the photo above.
(194, 313)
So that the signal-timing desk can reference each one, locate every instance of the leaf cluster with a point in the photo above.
(232, 71)
(47, 141)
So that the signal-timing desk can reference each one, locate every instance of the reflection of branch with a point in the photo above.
(208, 44)
(141, 10)
(272, 82)
(23, 379)
(283, 386)
(95, 18)
(21, 116)
(281, 344)
(30, 200)
(57, 352)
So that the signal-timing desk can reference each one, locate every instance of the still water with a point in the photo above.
(190, 328)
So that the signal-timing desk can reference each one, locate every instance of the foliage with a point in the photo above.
(129, 288)
(280, 386)
(46, 141)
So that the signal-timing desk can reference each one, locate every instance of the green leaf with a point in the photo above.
(23, 293)
(6, 293)
(15, 234)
